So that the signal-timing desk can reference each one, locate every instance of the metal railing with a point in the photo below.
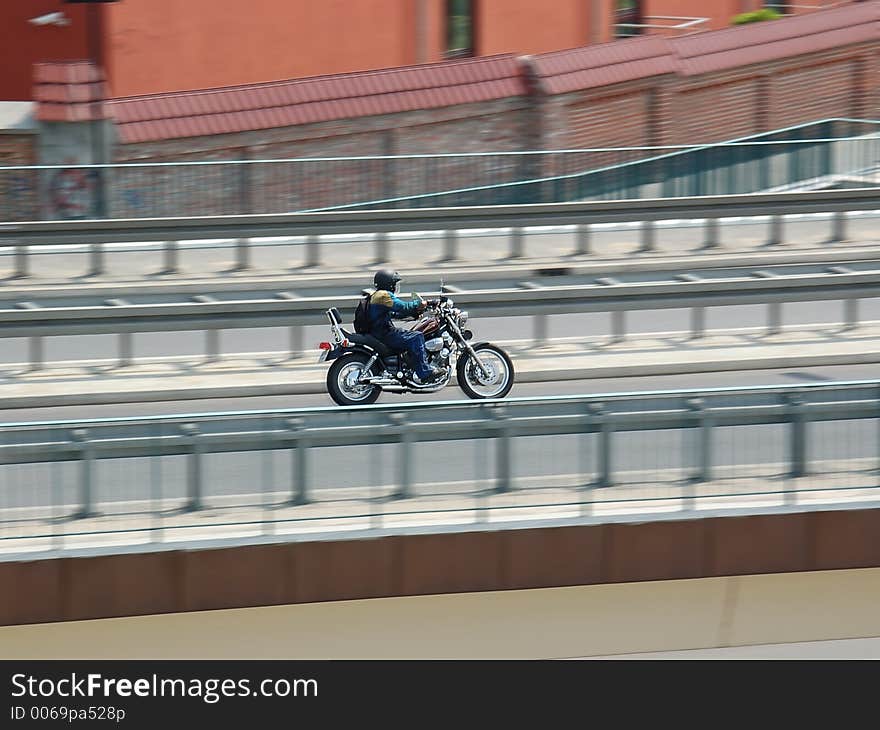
(105, 482)
(843, 152)
(662, 24)
(25, 235)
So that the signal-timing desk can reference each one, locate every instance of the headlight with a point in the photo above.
(462, 318)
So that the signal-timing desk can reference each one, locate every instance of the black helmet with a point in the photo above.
(386, 279)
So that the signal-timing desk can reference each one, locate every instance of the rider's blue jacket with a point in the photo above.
(384, 307)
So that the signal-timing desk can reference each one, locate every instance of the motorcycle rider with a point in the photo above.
(384, 306)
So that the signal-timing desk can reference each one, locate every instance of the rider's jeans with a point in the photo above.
(414, 343)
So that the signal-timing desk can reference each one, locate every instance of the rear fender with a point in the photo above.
(340, 351)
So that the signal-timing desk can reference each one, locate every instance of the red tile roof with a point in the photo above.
(560, 72)
(604, 64)
(316, 99)
(70, 91)
(771, 40)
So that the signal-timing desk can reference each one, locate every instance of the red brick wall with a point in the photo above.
(18, 189)
(497, 126)
(711, 107)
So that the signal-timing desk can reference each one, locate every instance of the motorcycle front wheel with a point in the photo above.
(342, 381)
(496, 382)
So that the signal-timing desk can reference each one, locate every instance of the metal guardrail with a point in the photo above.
(605, 295)
(350, 468)
(830, 151)
(710, 209)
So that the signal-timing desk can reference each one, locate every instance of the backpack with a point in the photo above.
(362, 316)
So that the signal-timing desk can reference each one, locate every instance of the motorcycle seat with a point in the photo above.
(369, 341)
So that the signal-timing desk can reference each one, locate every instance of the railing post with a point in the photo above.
(797, 442)
(582, 236)
(851, 313)
(36, 352)
(404, 464)
(517, 243)
(300, 457)
(618, 325)
(648, 237)
(35, 342)
(503, 476)
(86, 473)
(775, 230)
(450, 245)
(711, 234)
(603, 425)
(540, 321)
(21, 262)
(296, 337)
(698, 322)
(193, 466)
(382, 256)
(774, 318)
(701, 449)
(313, 251)
(170, 255)
(838, 227)
(96, 259)
(126, 348)
(242, 254)
(212, 345)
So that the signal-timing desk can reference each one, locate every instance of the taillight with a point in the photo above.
(324, 346)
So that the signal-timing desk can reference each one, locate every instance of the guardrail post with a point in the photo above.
(701, 449)
(618, 325)
(36, 352)
(838, 227)
(300, 456)
(517, 243)
(96, 259)
(648, 237)
(242, 254)
(126, 348)
(170, 256)
(604, 427)
(193, 466)
(582, 236)
(698, 322)
(21, 262)
(774, 318)
(86, 473)
(798, 442)
(296, 337)
(381, 248)
(711, 239)
(212, 345)
(503, 476)
(313, 251)
(775, 230)
(850, 313)
(540, 321)
(35, 342)
(404, 464)
(450, 245)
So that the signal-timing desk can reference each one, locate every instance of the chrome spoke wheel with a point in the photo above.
(492, 378)
(347, 380)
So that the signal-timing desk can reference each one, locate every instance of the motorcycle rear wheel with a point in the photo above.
(341, 381)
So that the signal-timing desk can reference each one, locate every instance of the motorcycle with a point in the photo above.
(363, 367)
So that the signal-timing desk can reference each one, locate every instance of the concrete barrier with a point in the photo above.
(181, 580)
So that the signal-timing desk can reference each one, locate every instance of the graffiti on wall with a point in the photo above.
(71, 193)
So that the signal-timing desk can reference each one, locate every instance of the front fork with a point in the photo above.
(469, 348)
